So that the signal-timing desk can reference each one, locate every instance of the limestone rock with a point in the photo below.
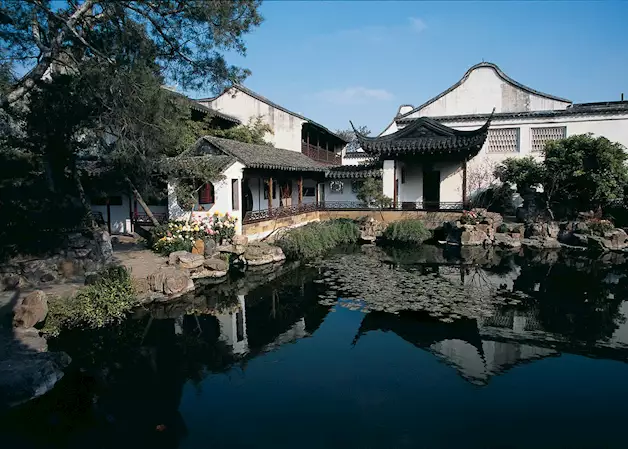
(13, 281)
(210, 248)
(615, 240)
(370, 229)
(240, 240)
(28, 374)
(169, 281)
(506, 240)
(199, 247)
(216, 264)
(541, 243)
(238, 250)
(32, 310)
(201, 273)
(474, 237)
(173, 257)
(261, 253)
(77, 240)
(189, 261)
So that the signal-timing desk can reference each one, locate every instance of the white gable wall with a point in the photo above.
(484, 89)
(286, 127)
(222, 198)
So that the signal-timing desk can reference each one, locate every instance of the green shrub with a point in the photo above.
(315, 238)
(410, 230)
(502, 228)
(104, 302)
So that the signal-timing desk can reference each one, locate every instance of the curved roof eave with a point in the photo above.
(499, 72)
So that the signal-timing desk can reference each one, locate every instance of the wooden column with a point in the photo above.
(270, 194)
(395, 186)
(300, 184)
(464, 183)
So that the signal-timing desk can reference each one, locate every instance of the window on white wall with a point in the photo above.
(503, 140)
(540, 136)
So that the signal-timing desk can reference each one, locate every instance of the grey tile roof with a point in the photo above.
(604, 108)
(373, 170)
(355, 154)
(425, 136)
(256, 156)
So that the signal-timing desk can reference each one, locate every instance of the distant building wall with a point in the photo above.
(286, 127)
(484, 89)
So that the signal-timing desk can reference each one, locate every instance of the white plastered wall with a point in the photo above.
(613, 127)
(483, 90)
(222, 198)
(286, 127)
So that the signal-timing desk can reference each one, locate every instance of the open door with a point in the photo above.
(431, 190)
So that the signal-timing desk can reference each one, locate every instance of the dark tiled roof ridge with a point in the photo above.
(609, 108)
(262, 156)
(202, 108)
(499, 72)
(263, 99)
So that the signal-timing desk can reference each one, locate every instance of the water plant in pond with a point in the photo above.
(314, 239)
(410, 230)
(106, 301)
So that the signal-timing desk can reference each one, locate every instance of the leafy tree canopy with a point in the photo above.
(349, 136)
(189, 37)
(578, 174)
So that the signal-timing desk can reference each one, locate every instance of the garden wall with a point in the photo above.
(432, 220)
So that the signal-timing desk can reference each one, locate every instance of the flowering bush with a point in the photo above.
(599, 227)
(469, 217)
(179, 235)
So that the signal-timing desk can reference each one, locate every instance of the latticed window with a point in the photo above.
(540, 136)
(503, 140)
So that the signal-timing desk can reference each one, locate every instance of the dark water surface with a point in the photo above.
(530, 353)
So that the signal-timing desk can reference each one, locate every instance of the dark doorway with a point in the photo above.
(431, 190)
(247, 198)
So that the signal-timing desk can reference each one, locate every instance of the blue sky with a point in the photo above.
(340, 61)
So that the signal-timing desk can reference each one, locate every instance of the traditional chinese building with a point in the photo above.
(425, 163)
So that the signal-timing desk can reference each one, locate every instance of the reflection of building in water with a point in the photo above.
(476, 277)
(233, 328)
(620, 335)
(464, 344)
(296, 332)
(479, 364)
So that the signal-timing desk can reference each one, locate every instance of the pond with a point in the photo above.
(368, 348)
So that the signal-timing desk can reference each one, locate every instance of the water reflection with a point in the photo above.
(271, 332)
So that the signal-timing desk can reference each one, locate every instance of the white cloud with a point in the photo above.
(417, 24)
(354, 95)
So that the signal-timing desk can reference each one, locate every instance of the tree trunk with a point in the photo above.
(140, 200)
(82, 196)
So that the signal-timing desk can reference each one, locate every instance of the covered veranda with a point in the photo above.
(425, 163)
